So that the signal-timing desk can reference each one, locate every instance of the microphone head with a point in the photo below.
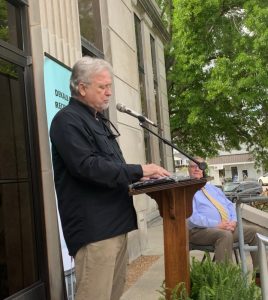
(202, 165)
(120, 107)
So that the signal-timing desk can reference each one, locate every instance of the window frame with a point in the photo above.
(22, 58)
(142, 83)
(88, 47)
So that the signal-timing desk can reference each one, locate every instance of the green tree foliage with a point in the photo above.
(217, 75)
(5, 67)
(3, 21)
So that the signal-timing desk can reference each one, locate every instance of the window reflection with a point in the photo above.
(13, 159)
(18, 267)
(156, 99)
(90, 23)
(17, 246)
(10, 29)
(7, 68)
(140, 58)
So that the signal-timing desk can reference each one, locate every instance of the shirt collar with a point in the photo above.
(90, 109)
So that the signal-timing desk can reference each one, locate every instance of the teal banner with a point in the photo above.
(57, 95)
(57, 91)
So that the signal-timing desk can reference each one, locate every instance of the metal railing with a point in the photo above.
(242, 246)
(70, 283)
(262, 245)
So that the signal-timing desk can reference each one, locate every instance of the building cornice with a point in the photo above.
(154, 15)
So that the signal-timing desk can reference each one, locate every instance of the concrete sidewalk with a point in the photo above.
(148, 285)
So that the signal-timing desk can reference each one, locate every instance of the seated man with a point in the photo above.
(213, 221)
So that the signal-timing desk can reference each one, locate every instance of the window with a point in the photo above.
(142, 84)
(234, 173)
(157, 101)
(10, 25)
(91, 34)
(21, 257)
(90, 26)
(18, 266)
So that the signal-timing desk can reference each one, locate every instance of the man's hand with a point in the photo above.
(227, 225)
(153, 171)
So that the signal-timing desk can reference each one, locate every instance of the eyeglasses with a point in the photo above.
(112, 130)
(194, 167)
(101, 86)
(105, 86)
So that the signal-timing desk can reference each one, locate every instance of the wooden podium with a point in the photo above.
(175, 206)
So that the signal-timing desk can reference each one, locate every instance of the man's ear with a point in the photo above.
(81, 89)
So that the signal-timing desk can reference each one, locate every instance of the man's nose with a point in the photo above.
(108, 93)
(108, 90)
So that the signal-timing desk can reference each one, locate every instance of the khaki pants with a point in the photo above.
(100, 269)
(223, 241)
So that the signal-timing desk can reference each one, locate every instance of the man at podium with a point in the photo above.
(92, 180)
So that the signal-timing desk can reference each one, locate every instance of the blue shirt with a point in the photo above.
(205, 214)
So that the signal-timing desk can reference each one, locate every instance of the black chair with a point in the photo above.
(211, 249)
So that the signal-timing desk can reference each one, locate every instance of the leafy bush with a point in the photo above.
(215, 281)
(178, 293)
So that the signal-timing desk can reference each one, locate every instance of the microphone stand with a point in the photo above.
(202, 165)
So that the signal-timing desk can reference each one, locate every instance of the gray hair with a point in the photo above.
(197, 158)
(84, 69)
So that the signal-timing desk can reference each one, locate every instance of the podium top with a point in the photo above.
(163, 183)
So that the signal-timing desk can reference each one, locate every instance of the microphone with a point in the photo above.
(202, 165)
(122, 108)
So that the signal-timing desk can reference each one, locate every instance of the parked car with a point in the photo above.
(219, 186)
(263, 180)
(242, 189)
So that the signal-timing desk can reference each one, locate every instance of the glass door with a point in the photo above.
(18, 244)
(22, 258)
